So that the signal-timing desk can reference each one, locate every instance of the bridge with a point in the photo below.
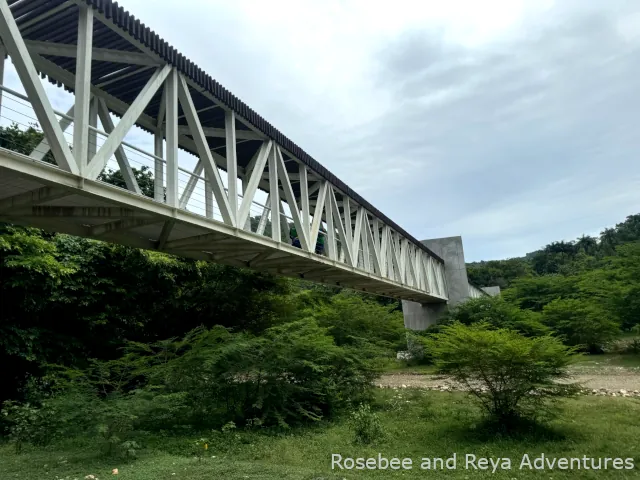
(227, 185)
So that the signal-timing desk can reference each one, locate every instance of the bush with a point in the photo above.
(500, 314)
(27, 423)
(355, 321)
(580, 323)
(366, 425)
(512, 376)
(292, 374)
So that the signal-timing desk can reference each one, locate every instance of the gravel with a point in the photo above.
(612, 381)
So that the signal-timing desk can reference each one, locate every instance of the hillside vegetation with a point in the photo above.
(587, 290)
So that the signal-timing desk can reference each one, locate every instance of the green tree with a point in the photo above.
(510, 375)
(624, 232)
(31, 271)
(355, 320)
(143, 176)
(533, 293)
(23, 141)
(580, 323)
(498, 272)
(497, 312)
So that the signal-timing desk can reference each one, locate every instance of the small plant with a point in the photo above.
(366, 425)
(201, 447)
(253, 423)
(115, 424)
(228, 427)
(396, 402)
(130, 449)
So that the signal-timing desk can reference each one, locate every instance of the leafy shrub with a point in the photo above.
(354, 320)
(512, 376)
(293, 373)
(29, 423)
(500, 314)
(366, 425)
(580, 323)
(130, 449)
(416, 350)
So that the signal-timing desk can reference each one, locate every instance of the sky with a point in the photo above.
(512, 123)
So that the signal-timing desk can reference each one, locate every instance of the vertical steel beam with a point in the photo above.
(3, 53)
(232, 162)
(93, 122)
(364, 226)
(274, 196)
(331, 230)
(357, 235)
(346, 206)
(208, 195)
(158, 150)
(171, 87)
(83, 88)
(304, 199)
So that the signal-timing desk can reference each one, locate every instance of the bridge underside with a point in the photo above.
(36, 194)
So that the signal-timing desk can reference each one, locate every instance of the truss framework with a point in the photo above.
(388, 262)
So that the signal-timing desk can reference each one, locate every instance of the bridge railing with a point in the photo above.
(16, 110)
(164, 127)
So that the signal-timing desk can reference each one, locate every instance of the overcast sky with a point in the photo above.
(511, 123)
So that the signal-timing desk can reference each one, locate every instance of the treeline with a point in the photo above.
(587, 289)
(564, 258)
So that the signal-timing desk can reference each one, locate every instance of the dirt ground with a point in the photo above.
(610, 378)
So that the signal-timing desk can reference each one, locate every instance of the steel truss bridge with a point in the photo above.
(227, 184)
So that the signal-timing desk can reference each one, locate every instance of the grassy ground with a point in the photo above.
(592, 362)
(418, 424)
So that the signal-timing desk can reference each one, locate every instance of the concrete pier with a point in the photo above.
(420, 316)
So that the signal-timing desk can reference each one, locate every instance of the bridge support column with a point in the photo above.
(420, 316)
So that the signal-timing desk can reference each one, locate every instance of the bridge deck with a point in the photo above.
(37, 194)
